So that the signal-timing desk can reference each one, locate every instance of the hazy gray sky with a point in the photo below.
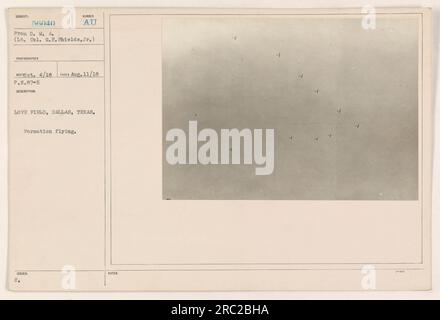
(342, 101)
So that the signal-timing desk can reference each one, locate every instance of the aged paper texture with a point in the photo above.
(219, 149)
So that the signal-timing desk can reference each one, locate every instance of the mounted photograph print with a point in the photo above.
(219, 149)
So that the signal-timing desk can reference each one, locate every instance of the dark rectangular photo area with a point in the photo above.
(341, 100)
